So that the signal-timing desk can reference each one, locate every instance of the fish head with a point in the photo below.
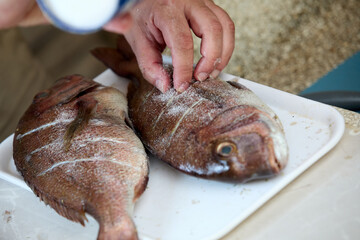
(63, 91)
(246, 144)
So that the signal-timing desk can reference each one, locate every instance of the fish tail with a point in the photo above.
(121, 60)
(124, 48)
(124, 231)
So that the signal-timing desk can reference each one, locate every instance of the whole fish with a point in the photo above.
(75, 151)
(215, 129)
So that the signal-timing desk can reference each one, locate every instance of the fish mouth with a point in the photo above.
(262, 150)
(275, 164)
(273, 155)
(255, 157)
(279, 144)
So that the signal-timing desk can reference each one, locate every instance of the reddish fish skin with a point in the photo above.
(75, 151)
(215, 129)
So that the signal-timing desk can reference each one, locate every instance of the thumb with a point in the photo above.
(121, 24)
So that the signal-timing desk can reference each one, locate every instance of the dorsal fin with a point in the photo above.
(237, 85)
(63, 91)
(86, 106)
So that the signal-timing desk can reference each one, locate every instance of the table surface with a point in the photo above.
(322, 203)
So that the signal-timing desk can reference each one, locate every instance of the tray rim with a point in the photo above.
(337, 129)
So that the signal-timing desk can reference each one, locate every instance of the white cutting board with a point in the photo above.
(176, 206)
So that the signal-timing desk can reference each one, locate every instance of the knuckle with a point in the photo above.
(167, 2)
(215, 27)
(185, 42)
(230, 25)
(183, 69)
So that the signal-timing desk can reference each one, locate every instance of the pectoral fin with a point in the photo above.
(129, 122)
(86, 107)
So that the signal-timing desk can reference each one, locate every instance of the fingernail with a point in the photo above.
(217, 62)
(202, 76)
(215, 73)
(183, 87)
(159, 84)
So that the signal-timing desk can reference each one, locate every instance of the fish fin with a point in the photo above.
(237, 85)
(141, 186)
(70, 87)
(129, 122)
(124, 48)
(75, 215)
(64, 90)
(118, 61)
(86, 107)
(115, 61)
(121, 60)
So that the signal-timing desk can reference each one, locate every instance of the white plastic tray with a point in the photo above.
(177, 206)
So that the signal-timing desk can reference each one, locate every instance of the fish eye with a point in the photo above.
(225, 149)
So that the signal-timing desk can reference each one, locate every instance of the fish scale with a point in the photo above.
(75, 151)
(215, 129)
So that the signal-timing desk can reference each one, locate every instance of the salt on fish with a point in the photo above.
(215, 129)
(75, 151)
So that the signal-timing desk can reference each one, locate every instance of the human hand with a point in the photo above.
(27, 13)
(20, 13)
(161, 23)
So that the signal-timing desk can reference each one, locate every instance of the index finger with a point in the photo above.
(178, 38)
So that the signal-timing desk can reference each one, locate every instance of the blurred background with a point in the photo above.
(290, 45)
